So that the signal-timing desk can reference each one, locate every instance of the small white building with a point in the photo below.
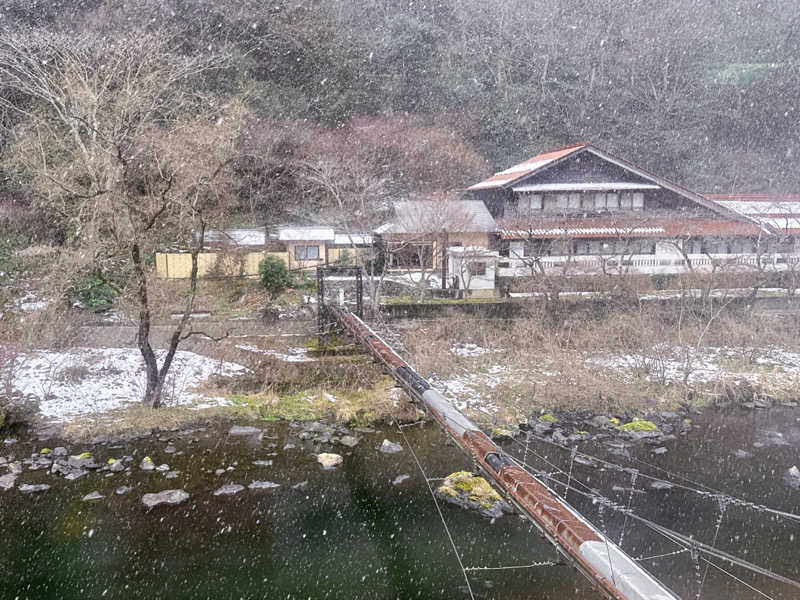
(473, 268)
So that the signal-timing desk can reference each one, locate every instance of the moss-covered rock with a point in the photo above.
(547, 418)
(472, 492)
(638, 426)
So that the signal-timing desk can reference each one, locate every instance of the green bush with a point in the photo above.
(94, 292)
(274, 276)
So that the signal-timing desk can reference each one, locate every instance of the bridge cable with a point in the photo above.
(734, 577)
(711, 493)
(687, 542)
(439, 510)
(722, 505)
(544, 563)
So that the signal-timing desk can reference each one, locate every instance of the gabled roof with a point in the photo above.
(525, 168)
(434, 216)
(779, 214)
(517, 176)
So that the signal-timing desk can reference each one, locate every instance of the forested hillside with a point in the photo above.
(380, 98)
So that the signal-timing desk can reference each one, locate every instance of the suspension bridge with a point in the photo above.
(611, 571)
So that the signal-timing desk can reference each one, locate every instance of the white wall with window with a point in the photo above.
(472, 268)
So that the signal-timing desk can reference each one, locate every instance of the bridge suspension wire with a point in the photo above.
(737, 579)
(544, 563)
(686, 542)
(438, 510)
(711, 493)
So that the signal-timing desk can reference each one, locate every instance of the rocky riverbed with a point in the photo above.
(273, 508)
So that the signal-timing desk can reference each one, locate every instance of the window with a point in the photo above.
(626, 200)
(528, 203)
(600, 201)
(574, 201)
(612, 201)
(693, 246)
(581, 248)
(638, 201)
(476, 269)
(306, 252)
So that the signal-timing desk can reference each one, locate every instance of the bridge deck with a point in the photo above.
(608, 567)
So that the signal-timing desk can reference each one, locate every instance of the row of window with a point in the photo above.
(622, 247)
(530, 203)
(584, 247)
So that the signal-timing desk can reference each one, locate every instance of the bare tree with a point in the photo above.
(420, 232)
(115, 144)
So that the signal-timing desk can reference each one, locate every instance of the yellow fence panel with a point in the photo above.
(175, 265)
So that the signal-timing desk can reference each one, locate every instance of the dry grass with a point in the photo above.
(140, 420)
(544, 359)
(360, 406)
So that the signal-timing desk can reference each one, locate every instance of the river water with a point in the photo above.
(351, 533)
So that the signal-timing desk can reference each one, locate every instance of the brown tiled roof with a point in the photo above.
(525, 168)
(611, 227)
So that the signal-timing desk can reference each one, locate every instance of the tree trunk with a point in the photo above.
(157, 376)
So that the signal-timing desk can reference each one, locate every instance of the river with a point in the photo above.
(350, 532)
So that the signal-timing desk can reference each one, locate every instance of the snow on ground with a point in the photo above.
(80, 381)
(473, 388)
(295, 354)
(667, 364)
(27, 303)
(468, 350)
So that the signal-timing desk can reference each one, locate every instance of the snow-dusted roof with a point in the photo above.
(780, 214)
(236, 237)
(525, 168)
(472, 251)
(584, 187)
(358, 239)
(306, 234)
(426, 216)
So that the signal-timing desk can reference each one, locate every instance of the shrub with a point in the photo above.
(274, 276)
(95, 292)
(16, 411)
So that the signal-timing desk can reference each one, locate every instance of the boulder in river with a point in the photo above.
(93, 497)
(7, 481)
(165, 497)
(115, 465)
(238, 430)
(82, 461)
(263, 485)
(400, 479)
(792, 477)
(31, 489)
(147, 464)
(329, 460)
(348, 440)
(472, 492)
(229, 489)
(388, 447)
